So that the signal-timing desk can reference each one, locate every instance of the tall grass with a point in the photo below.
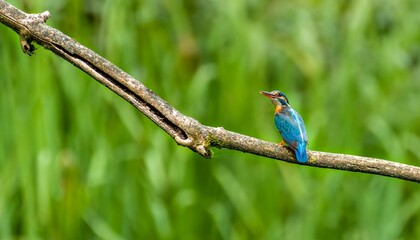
(77, 162)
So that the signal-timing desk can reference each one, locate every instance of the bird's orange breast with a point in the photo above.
(278, 109)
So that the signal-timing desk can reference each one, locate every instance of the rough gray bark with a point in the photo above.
(185, 130)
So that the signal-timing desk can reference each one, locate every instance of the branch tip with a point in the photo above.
(44, 16)
(37, 17)
(26, 44)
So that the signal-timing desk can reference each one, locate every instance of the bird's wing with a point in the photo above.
(291, 127)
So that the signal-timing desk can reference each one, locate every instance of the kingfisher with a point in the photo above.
(290, 124)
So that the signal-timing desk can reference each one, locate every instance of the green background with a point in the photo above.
(78, 162)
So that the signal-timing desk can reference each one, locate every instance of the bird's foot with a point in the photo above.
(282, 143)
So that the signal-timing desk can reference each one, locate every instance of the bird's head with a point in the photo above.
(277, 98)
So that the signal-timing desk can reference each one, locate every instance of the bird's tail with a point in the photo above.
(301, 155)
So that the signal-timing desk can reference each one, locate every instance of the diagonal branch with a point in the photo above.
(185, 130)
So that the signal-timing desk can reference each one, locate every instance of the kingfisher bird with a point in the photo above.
(290, 124)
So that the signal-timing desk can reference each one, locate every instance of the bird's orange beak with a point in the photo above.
(268, 94)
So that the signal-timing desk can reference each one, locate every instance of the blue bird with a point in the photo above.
(290, 124)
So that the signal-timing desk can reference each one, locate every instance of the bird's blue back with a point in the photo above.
(292, 129)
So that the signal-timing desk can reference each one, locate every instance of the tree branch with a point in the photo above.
(185, 130)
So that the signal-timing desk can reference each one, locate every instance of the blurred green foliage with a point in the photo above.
(78, 162)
